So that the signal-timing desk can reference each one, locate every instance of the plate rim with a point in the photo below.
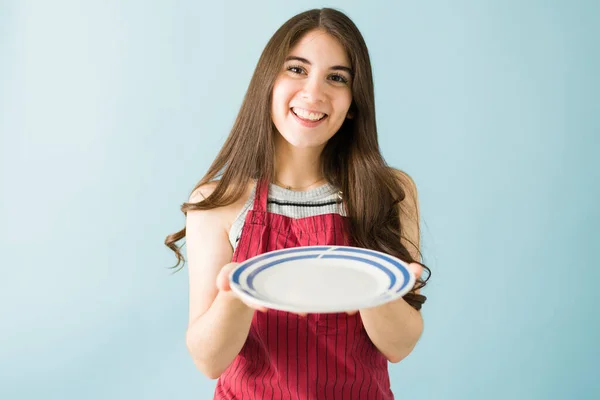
(386, 296)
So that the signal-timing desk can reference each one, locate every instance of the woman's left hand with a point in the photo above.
(416, 269)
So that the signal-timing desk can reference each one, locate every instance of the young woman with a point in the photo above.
(301, 167)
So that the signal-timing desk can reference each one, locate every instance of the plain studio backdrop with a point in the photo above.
(111, 111)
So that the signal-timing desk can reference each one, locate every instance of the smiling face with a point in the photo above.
(312, 93)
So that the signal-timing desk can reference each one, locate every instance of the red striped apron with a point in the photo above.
(320, 356)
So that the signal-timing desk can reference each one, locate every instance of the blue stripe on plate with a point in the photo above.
(236, 275)
(328, 249)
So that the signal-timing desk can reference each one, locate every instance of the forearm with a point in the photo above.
(394, 328)
(217, 337)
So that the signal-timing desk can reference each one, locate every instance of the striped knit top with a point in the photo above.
(321, 200)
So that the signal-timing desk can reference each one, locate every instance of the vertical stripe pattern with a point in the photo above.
(320, 356)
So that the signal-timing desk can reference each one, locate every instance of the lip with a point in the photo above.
(307, 123)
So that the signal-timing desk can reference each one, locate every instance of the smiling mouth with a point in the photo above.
(307, 115)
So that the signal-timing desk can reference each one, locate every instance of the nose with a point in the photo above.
(313, 90)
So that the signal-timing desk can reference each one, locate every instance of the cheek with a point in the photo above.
(282, 94)
(277, 103)
(344, 103)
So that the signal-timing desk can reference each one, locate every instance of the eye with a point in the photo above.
(296, 69)
(338, 78)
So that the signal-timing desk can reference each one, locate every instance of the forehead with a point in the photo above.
(320, 48)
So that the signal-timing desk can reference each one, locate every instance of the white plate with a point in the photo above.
(321, 279)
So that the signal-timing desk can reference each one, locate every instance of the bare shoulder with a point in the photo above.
(202, 192)
(213, 219)
(221, 217)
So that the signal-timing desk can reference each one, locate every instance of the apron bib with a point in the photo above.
(320, 356)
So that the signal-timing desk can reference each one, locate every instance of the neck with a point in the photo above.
(297, 168)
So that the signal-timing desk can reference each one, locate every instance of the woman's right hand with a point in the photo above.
(223, 285)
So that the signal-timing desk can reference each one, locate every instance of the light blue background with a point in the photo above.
(110, 112)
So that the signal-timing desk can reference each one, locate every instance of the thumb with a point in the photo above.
(223, 277)
(416, 269)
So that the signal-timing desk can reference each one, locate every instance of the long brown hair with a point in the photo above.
(351, 160)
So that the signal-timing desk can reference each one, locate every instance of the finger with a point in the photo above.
(223, 281)
(351, 312)
(417, 269)
(223, 277)
(256, 307)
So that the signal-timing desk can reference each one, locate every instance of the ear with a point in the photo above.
(349, 115)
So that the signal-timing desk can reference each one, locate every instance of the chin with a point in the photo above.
(301, 142)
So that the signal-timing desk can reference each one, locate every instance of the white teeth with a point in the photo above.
(307, 115)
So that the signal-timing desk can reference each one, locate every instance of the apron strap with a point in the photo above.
(261, 195)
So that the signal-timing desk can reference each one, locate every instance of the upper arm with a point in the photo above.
(208, 250)
(409, 216)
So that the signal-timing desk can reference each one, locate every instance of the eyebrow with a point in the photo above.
(305, 61)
